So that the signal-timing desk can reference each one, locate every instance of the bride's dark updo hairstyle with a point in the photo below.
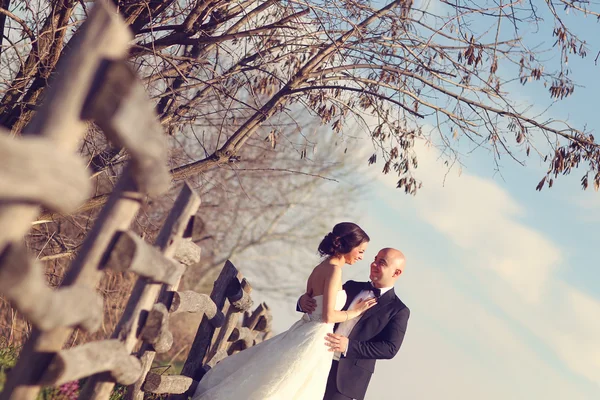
(342, 239)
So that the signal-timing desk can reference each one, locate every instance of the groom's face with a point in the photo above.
(384, 269)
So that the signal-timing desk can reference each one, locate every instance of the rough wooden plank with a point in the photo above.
(264, 323)
(193, 366)
(219, 342)
(239, 295)
(156, 329)
(134, 392)
(218, 356)
(132, 253)
(231, 319)
(35, 170)
(22, 283)
(192, 302)
(219, 295)
(255, 328)
(240, 345)
(252, 320)
(35, 356)
(241, 338)
(239, 333)
(169, 384)
(119, 104)
(188, 253)
(145, 293)
(102, 36)
(92, 358)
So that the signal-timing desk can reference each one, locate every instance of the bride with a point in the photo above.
(295, 364)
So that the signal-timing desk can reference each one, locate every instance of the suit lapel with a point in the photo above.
(351, 294)
(383, 300)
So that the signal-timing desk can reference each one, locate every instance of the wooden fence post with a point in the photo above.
(104, 36)
(188, 253)
(23, 283)
(194, 364)
(145, 292)
(93, 81)
(228, 335)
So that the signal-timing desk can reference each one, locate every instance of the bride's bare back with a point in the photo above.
(319, 276)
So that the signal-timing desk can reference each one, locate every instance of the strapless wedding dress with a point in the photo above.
(293, 365)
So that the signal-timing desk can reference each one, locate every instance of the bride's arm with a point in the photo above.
(333, 282)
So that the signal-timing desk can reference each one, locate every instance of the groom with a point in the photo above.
(377, 334)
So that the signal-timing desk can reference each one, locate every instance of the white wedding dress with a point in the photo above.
(293, 365)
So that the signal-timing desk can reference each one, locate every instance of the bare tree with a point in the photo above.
(272, 203)
(232, 79)
(243, 63)
(273, 197)
(268, 213)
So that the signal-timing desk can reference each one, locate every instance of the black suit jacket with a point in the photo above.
(377, 335)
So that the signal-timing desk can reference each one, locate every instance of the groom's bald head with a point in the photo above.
(387, 267)
(397, 257)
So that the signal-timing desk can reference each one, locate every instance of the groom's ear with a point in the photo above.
(398, 272)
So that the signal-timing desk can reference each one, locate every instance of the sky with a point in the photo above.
(502, 280)
(498, 309)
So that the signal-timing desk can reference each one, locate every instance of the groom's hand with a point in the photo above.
(336, 342)
(307, 303)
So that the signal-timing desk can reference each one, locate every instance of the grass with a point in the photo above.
(8, 358)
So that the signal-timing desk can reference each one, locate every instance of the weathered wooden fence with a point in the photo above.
(94, 82)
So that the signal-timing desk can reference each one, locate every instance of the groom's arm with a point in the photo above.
(298, 308)
(306, 304)
(386, 344)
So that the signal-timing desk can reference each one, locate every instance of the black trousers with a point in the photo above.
(331, 392)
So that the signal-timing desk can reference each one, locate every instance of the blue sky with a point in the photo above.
(503, 306)
(500, 306)
(502, 280)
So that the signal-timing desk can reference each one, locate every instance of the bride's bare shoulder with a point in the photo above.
(325, 267)
(328, 270)
(328, 265)
(325, 271)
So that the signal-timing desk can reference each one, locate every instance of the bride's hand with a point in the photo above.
(363, 305)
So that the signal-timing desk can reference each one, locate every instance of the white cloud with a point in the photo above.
(481, 218)
(575, 329)
(457, 348)
(586, 206)
(483, 222)
(490, 317)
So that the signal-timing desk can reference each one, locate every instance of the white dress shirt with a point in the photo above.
(345, 328)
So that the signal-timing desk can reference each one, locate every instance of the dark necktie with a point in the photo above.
(376, 291)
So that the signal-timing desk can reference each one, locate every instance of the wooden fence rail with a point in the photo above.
(94, 82)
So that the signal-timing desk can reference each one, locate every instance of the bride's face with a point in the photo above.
(356, 254)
